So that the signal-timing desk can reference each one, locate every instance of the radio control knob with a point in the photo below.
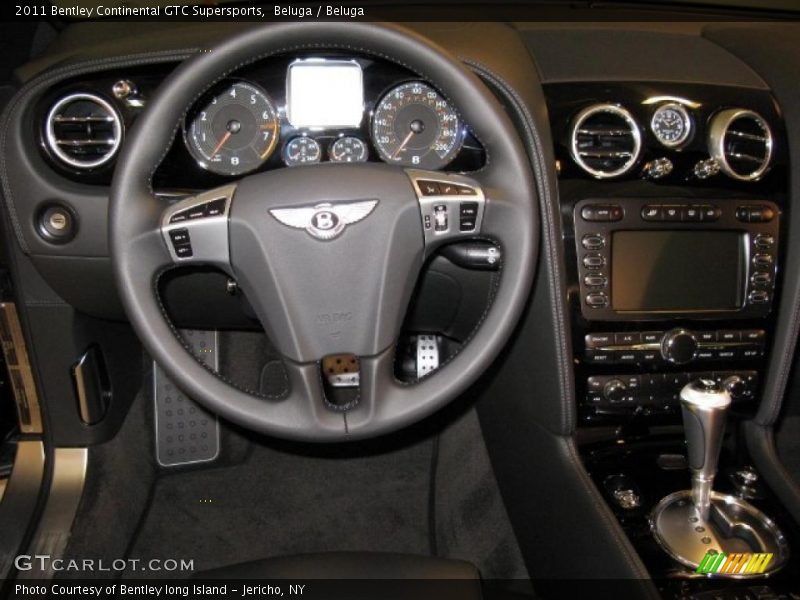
(678, 346)
(614, 390)
(736, 387)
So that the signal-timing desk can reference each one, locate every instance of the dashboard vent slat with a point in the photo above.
(605, 140)
(741, 142)
(83, 131)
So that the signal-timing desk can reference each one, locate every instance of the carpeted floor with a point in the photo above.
(428, 490)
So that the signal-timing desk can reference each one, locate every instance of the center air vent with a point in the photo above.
(83, 131)
(741, 142)
(605, 140)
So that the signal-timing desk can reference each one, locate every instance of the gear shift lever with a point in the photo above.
(691, 524)
(705, 407)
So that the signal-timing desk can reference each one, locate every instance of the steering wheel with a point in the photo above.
(328, 255)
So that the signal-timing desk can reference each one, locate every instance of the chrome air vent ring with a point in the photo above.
(741, 142)
(83, 131)
(605, 140)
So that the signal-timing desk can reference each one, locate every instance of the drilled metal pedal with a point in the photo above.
(427, 355)
(186, 433)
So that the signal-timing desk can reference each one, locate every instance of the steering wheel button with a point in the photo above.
(465, 190)
(215, 208)
(183, 250)
(467, 224)
(448, 189)
(468, 209)
(179, 217)
(429, 188)
(179, 237)
(440, 217)
(198, 212)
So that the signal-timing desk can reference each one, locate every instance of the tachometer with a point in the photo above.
(414, 126)
(235, 132)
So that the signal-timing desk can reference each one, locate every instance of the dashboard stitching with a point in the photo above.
(552, 245)
(20, 102)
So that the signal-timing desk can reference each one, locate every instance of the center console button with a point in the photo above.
(627, 338)
(761, 278)
(762, 261)
(600, 357)
(691, 214)
(593, 241)
(706, 337)
(758, 297)
(615, 391)
(599, 340)
(598, 300)
(753, 336)
(594, 261)
(678, 346)
(729, 336)
(672, 213)
(652, 337)
(710, 213)
(764, 241)
(597, 280)
(652, 212)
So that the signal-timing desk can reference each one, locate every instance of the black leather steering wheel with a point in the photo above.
(317, 297)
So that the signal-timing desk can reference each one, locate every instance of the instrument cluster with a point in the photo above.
(285, 111)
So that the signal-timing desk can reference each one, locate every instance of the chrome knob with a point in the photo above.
(736, 387)
(678, 346)
(614, 390)
(704, 405)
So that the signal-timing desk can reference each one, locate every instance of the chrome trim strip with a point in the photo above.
(58, 516)
(20, 374)
(18, 503)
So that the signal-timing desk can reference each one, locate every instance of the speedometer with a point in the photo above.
(414, 126)
(235, 132)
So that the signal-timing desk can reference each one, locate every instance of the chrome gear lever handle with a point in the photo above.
(704, 405)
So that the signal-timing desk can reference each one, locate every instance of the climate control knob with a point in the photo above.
(678, 346)
(736, 387)
(614, 390)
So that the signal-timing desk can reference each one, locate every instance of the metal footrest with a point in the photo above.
(186, 433)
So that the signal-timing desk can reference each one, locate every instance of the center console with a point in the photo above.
(689, 266)
(674, 278)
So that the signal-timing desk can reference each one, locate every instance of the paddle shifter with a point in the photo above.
(692, 524)
(705, 406)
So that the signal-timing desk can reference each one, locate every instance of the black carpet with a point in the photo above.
(430, 489)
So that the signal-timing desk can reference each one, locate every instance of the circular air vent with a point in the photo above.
(83, 131)
(741, 142)
(606, 140)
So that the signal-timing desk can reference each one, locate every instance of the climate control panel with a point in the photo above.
(659, 392)
(677, 346)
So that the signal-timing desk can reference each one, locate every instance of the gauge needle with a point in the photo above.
(222, 142)
(403, 145)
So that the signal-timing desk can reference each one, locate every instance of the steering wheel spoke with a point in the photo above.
(195, 229)
(451, 205)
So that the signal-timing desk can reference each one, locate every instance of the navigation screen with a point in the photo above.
(677, 270)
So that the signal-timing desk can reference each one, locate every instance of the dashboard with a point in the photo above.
(283, 111)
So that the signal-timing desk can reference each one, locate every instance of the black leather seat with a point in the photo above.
(413, 576)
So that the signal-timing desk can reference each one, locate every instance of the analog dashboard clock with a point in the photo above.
(672, 125)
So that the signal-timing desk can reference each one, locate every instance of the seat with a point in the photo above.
(355, 575)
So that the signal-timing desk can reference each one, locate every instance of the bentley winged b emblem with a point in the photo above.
(327, 220)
